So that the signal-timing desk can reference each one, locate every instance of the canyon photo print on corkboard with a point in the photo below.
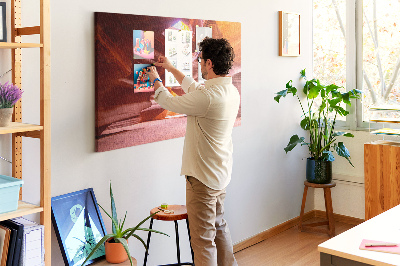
(126, 113)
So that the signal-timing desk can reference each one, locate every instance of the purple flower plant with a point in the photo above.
(9, 95)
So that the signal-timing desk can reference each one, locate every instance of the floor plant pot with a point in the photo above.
(318, 172)
(115, 252)
(6, 116)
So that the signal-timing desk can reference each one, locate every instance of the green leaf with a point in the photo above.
(333, 102)
(102, 240)
(313, 92)
(323, 93)
(280, 94)
(115, 223)
(341, 111)
(152, 230)
(140, 239)
(126, 247)
(137, 226)
(305, 123)
(303, 73)
(343, 151)
(349, 135)
(338, 133)
(122, 225)
(331, 87)
(294, 140)
(308, 86)
(113, 211)
(346, 98)
(289, 84)
(355, 93)
(327, 156)
(322, 107)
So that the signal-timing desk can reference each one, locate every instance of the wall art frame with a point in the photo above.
(289, 34)
(79, 229)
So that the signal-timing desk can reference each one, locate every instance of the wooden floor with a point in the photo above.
(290, 247)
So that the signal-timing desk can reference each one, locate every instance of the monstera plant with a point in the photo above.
(323, 105)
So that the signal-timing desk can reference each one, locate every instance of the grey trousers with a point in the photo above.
(210, 236)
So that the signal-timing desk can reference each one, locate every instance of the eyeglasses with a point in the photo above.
(199, 59)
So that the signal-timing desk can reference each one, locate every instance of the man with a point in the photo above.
(211, 111)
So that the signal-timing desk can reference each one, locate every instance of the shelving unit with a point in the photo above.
(42, 131)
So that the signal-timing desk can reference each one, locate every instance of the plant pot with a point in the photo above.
(6, 116)
(319, 172)
(115, 252)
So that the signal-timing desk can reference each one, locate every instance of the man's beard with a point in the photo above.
(204, 74)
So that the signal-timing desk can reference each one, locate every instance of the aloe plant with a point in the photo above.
(320, 124)
(119, 234)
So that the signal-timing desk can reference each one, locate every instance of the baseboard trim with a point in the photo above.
(271, 232)
(340, 218)
(289, 224)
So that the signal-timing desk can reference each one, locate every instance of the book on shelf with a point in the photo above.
(15, 254)
(32, 250)
(11, 245)
(5, 234)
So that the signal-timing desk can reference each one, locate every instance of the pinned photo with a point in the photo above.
(143, 44)
(141, 81)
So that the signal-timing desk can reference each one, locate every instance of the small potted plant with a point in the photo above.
(116, 243)
(320, 123)
(9, 95)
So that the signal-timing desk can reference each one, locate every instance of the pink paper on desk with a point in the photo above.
(392, 249)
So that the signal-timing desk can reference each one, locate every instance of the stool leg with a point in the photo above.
(329, 211)
(190, 240)
(178, 252)
(303, 204)
(148, 242)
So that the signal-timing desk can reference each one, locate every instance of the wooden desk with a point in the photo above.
(105, 263)
(344, 248)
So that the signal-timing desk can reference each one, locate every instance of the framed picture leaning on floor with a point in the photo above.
(78, 226)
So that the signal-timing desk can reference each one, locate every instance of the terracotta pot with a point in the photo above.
(115, 252)
(5, 116)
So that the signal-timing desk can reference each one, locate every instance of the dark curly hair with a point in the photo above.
(220, 52)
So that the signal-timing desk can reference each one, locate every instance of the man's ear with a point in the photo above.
(209, 63)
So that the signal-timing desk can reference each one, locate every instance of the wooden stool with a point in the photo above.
(180, 213)
(125, 263)
(328, 207)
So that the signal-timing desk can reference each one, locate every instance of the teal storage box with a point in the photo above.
(9, 193)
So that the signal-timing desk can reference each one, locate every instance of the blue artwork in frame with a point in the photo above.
(78, 226)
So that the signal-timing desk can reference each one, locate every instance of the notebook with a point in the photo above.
(18, 241)
(32, 251)
(4, 243)
(391, 249)
(11, 246)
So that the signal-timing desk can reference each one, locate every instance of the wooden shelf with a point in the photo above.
(10, 45)
(24, 208)
(16, 127)
(385, 120)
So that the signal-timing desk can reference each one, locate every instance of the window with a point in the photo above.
(329, 18)
(364, 54)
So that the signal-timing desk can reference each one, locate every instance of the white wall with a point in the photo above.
(267, 184)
